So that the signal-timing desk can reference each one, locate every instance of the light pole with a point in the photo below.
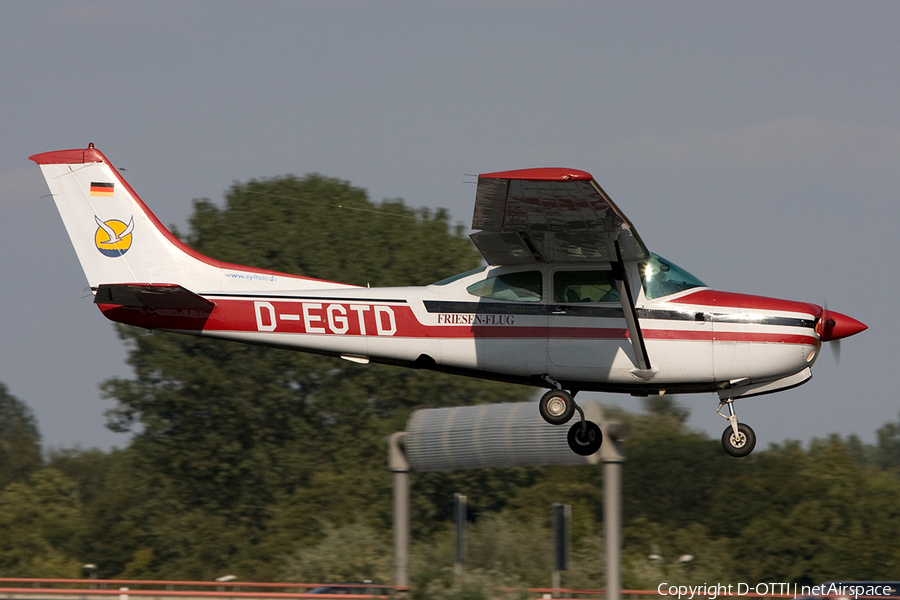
(399, 466)
(562, 543)
(682, 560)
(612, 455)
(225, 579)
(91, 570)
(459, 517)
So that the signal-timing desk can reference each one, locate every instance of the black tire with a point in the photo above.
(740, 445)
(585, 439)
(557, 407)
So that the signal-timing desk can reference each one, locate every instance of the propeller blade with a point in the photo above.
(836, 346)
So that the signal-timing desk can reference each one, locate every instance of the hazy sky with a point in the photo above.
(756, 144)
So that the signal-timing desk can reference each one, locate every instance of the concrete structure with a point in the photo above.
(500, 435)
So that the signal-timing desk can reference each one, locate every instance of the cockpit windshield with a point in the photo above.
(661, 277)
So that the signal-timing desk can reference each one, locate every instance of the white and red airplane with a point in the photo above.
(571, 300)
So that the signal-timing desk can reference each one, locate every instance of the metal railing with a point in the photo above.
(23, 588)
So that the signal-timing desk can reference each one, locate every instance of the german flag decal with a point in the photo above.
(101, 189)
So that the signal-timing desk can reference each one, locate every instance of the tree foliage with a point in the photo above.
(787, 513)
(40, 523)
(258, 436)
(349, 552)
(809, 516)
(271, 464)
(887, 452)
(20, 442)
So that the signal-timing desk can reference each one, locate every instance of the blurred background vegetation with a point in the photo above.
(271, 465)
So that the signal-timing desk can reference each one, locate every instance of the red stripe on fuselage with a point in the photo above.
(395, 320)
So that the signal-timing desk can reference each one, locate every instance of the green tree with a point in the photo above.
(704, 558)
(40, 523)
(672, 474)
(325, 228)
(243, 441)
(20, 442)
(666, 406)
(86, 468)
(887, 451)
(351, 552)
(810, 516)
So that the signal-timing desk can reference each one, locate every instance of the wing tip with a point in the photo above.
(541, 174)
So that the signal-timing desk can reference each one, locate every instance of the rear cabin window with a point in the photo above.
(513, 287)
(584, 286)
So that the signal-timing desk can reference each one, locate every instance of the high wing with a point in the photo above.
(559, 215)
(550, 215)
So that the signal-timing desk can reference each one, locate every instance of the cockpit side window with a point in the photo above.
(661, 277)
(584, 286)
(524, 286)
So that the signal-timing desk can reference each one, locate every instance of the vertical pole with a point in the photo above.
(401, 528)
(459, 512)
(612, 525)
(612, 454)
(562, 518)
(398, 464)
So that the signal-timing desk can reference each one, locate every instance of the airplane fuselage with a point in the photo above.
(700, 340)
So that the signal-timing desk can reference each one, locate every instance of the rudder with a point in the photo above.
(116, 237)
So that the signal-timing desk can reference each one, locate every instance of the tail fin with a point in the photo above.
(119, 241)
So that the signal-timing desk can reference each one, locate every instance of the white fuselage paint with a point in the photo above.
(513, 340)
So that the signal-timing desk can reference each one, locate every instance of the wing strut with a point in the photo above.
(628, 308)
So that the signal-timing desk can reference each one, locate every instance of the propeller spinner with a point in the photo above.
(833, 326)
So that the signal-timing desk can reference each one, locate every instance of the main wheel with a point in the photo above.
(557, 407)
(741, 444)
(585, 439)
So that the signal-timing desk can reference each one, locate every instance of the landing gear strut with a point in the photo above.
(738, 439)
(557, 407)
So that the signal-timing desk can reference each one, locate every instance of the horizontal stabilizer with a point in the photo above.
(154, 296)
(154, 305)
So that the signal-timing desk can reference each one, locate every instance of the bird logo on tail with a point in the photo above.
(113, 237)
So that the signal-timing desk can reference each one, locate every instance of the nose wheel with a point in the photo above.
(738, 439)
(740, 443)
